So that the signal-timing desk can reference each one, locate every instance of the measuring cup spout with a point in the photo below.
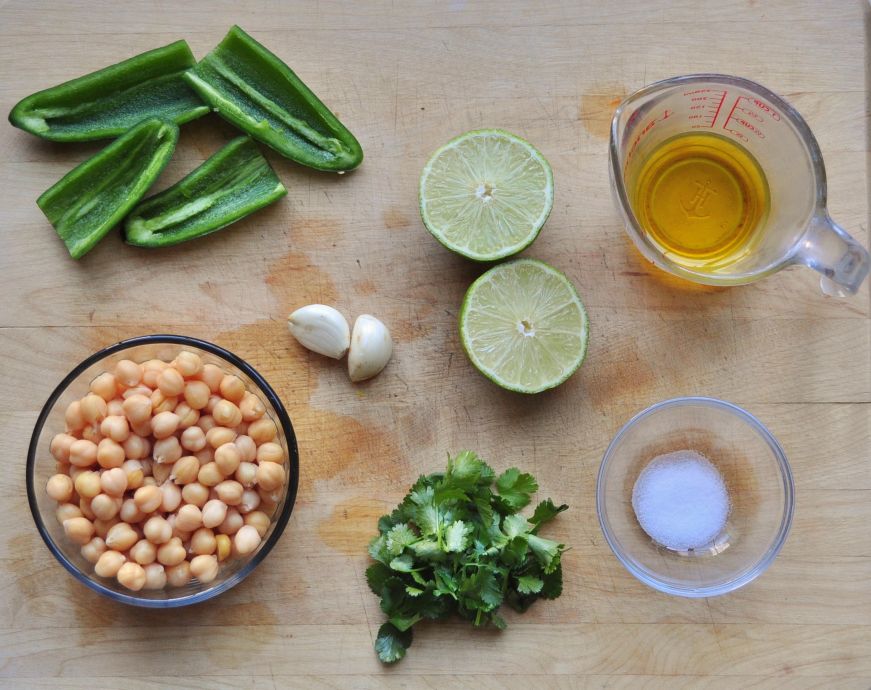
(827, 248)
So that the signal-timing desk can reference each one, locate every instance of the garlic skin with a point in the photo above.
(321, 329)
(371, 347)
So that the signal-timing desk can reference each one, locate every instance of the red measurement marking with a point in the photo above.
(650, 125)
(716, 114)
(763, 106)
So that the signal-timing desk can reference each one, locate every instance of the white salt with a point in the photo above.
(681, 501)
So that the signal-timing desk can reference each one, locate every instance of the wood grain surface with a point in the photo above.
(405, 77)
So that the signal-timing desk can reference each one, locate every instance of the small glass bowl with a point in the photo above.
(41, 465)
(754, 468)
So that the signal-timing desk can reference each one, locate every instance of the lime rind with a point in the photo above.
(463, 172)
(511, 302)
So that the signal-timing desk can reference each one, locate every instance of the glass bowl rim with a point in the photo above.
(748, 574)
(280, 522)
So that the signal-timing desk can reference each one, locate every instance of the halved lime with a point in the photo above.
(524, 326)
(486, 194)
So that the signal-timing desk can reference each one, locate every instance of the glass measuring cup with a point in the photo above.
(797, 229)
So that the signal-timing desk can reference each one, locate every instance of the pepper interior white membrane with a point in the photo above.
(486, 194)
(524, 326)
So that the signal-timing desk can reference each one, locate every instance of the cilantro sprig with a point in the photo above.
(457, 545)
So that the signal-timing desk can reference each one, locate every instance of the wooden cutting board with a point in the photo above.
(406, 77)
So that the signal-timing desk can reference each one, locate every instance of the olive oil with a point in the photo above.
(702, 198)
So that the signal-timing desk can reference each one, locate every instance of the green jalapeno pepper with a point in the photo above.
(251, 88)
(110, 101)
(230, 185)
(93, 197)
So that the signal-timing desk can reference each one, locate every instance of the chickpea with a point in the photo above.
(197, 394)
(259, 521)
(230, 492)
(170, 382)
(227, 458)
(246, 540)
(59, 488)
(131, 576)
(91, 432)
(121, 537)
(161, 473)
(136, 447)
(185, 470)
(130, 511)
(158, 531)
(210, 405)
(127, 373)
(203, 542)
(176, 532)
(250, 501)
(137, 390)
(193, 439)
(163, 403)
(214, 512)
(251, 407)
(164, 424)
(188, 363)
(93, 408)
(222, 546)
(189, 518)
(102, 527)
(148, 498)
(195, 494)
(167, 450)
(73, 416)
(247, 447)
(92, 551)
(79, 529)
(87, 484)
(137, 409)
(133, 470)
(83, 453)
(270, 452)
(67, 511)
(115, 427)
(172, 552)
(110, 453)
(210, 474)
(151, 370)
(105, 507)
(155, 576)
(187, 416)
(143, 552)
(178, 575)
(212, 376)
(232, 388)
(105, 386)
(232, 522)
(109, 563)
(171, 498)
(246, 474)
(270, 476)
(219, 435)
(204, 568)
(262, 431)
(115, 407)
(268, 501)
(206, 422)
(227, 414)
(60, 447)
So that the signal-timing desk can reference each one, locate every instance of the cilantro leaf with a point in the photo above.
(553, 584)
(378, 550)
(514, 525)
(392, 643)
(467, 469)
(546, 551)
(529, 584)
(402, 564)
(426, 549)
(413, 591)
(376, 576)
(457, 536)
(545, 512)
(398, 538)
(516, 489)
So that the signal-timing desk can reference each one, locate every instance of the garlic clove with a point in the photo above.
(321, 329)
(371, 348)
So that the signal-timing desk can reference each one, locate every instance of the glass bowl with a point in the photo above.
(754, 469)
(41, 465)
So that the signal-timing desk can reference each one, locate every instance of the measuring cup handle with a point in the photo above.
(827, 248)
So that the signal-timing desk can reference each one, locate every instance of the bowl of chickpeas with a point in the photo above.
(162, 470)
